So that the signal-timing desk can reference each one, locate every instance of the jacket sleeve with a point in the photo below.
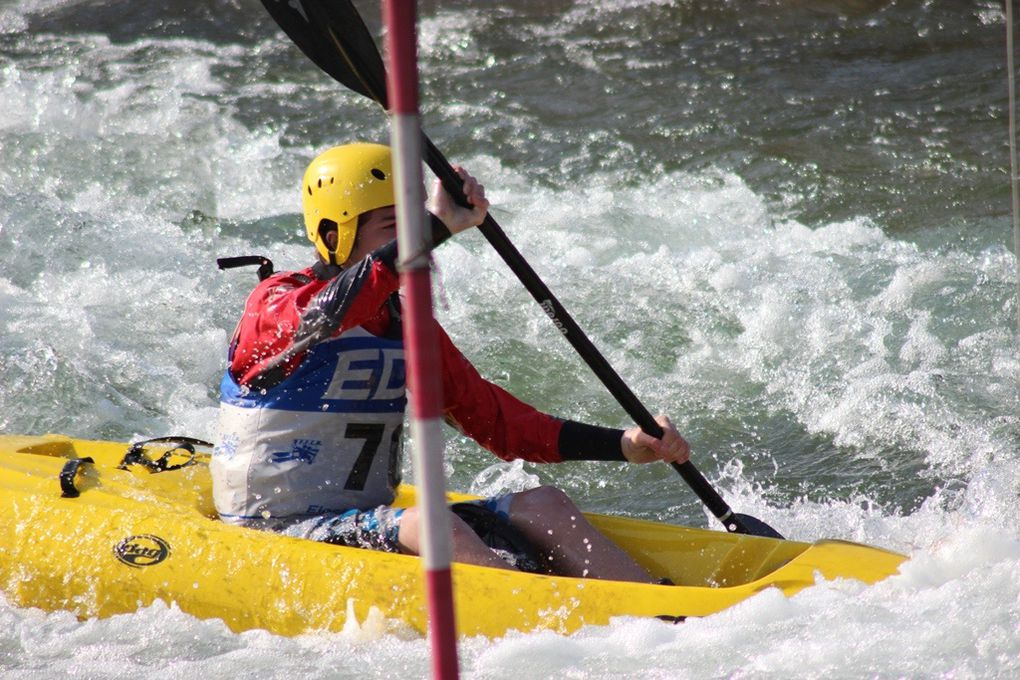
(491, 416)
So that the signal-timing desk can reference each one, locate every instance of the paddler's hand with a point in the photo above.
(639, 447)
(458, 218)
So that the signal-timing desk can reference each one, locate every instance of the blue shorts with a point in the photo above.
(378, 528)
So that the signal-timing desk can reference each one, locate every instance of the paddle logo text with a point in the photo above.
(143, 550)
(550, 311)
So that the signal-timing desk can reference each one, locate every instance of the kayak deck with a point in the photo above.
(134, 536)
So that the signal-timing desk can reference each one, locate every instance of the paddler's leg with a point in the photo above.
(555, 526)
(467, 547)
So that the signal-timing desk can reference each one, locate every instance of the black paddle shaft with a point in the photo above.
(565, 323)
(334, 36)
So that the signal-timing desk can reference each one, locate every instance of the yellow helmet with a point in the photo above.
(341, 184)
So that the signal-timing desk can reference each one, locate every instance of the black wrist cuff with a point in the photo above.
(589, 442)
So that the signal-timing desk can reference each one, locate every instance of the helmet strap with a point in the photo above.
(325, 227)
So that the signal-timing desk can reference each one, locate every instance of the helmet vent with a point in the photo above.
(320, 182)
(309, 189)
(378, 174)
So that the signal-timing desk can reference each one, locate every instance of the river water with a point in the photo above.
(786, 224)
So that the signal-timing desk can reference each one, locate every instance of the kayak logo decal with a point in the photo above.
(143, 550)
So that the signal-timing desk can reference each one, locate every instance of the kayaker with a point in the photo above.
(312, 403)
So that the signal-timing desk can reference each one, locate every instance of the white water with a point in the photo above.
(835, 379)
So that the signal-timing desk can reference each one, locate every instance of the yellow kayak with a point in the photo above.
(98, 540)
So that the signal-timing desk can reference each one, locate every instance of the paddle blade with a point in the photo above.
(753, 526)
(334, 37)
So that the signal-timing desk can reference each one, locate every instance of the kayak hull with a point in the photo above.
(132, 537)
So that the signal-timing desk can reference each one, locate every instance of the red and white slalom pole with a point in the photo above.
(420, 342)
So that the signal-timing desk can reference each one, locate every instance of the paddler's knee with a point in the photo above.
(542, 503)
